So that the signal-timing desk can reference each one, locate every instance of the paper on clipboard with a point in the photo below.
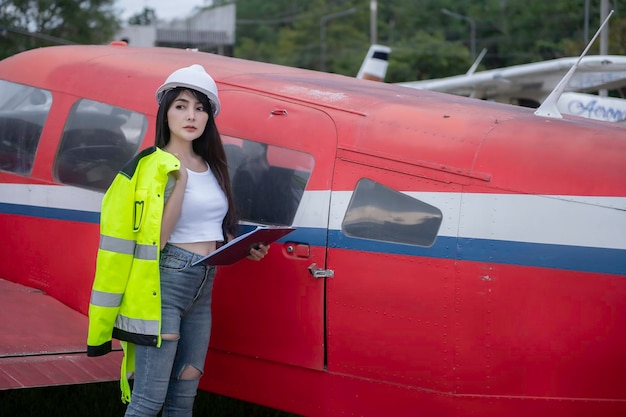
(239, 247)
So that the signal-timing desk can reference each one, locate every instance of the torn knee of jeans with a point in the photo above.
(170, 336)
(190, 372)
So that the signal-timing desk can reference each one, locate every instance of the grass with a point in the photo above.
(103, 400)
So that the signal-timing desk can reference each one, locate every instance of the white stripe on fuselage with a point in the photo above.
(562, 220)
(565, 220)
(53, 196)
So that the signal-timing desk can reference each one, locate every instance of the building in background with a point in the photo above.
(211, 30)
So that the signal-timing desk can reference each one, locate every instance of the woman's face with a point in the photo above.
(186, 117)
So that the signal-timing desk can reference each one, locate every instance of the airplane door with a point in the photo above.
(392, 249)
(280, 157)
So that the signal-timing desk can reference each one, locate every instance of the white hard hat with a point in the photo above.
(194, 77)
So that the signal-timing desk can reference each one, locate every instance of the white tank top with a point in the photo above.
(203, 210)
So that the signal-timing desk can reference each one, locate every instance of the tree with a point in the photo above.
(288, 32)
(31, 24)
(425, 42)
(146, 17)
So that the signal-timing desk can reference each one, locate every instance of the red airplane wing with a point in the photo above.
(44, 342)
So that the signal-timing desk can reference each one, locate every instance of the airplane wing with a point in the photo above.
(532, 81)
(44, 342)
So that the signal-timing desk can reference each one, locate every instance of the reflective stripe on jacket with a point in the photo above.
(126, 294)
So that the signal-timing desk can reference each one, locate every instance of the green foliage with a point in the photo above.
(425, 56)
(322, 34)
(425, 42)
(32, 24)
(146, 17)
(617, 36)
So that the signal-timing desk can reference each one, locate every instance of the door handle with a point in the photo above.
(318, 272)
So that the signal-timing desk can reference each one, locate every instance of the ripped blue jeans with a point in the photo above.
(186, 311)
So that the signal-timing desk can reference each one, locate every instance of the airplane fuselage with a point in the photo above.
(453, 257)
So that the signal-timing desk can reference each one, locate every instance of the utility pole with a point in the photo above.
(604, 37)
(472, 24)
(373, 20)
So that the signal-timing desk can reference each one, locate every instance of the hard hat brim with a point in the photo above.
(215, 103)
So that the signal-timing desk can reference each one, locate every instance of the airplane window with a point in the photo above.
(23, 113)
(98, 139)
(268, 181)
(380, 213)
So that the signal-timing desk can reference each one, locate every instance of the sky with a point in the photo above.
(165, 9)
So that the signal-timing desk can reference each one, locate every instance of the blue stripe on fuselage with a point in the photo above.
(50, 213)
(539, 255)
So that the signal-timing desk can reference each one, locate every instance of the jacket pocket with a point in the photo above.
(139, 210)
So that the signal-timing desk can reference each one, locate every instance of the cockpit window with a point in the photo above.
(98, 140)
(377, 212)
(23, 113)
(268, 181)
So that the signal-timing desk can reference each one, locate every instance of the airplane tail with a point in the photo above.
(374, 66)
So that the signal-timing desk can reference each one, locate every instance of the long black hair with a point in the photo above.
(209, 146)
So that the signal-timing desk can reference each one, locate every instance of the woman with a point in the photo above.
(182, 196)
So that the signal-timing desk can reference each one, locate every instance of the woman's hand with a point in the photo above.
(181, 174)
(258, 254)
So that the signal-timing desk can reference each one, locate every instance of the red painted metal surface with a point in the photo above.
(43, 266)
(291, 331)
(391, 334)
(43, 342)
(325, 394)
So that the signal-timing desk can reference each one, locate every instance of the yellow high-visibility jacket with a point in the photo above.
(126, 295)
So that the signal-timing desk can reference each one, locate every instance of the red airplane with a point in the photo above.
(452, 257)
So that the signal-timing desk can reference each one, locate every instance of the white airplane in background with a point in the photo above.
(530, 84)
(593, 106)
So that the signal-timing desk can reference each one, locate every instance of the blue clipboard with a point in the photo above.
(239, 247)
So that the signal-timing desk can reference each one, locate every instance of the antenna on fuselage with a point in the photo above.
(476, 62)
(473, 69)
(549, 106)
